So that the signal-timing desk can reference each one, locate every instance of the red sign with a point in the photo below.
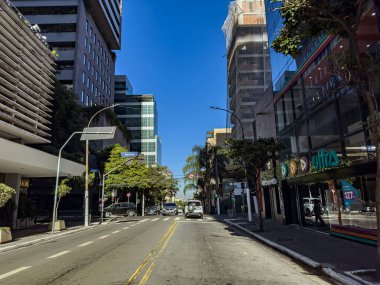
(128, 194)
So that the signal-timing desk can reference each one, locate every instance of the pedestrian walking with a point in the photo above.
(318, 213)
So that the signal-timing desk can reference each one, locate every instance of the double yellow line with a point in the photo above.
(152, 257)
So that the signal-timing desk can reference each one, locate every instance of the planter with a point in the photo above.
(5, 235)
(59, 225)
(24, 223)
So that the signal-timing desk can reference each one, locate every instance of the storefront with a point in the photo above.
(336, 199)
(328, 158)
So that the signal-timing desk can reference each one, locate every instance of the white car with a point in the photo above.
(194, 208)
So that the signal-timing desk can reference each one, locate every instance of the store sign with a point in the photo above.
(284, 170)
(349, 193)
(293, 167)
(324, 159)
(24, 183)
(321, 161)
(304, 164)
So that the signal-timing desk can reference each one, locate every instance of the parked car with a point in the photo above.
(120, 209)
(193, 208)
(308, 206)
(369, 207)
(169, 209)
(152, 210)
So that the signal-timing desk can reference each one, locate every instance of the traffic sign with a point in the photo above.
(98, 133)
(128, 195)
(130, 154)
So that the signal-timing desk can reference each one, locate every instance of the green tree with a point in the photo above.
(62, 191)
(254, 155)
(305, 19)
(192, 170)
(6, 205)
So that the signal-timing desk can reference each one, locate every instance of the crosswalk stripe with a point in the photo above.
(102, 237)
(177, 219)
(125, 228)
(155, 219)
(166, 219)
(115, 232)
(144, 220)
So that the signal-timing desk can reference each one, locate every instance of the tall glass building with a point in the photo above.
(139, 114)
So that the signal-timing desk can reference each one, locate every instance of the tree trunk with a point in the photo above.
(260, 198)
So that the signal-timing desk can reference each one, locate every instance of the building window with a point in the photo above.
(87, 100)
(101, 50)
(98, 44)
(94, 38)
(85, 42)
(96, 91)
(86, 25)
(92, 87)
(93, 54)
(90, 32)
(88, 82)
(83, 77)
(97, 60)
(89, 49)
(93, 70)
(91, 102)
(96, 75)
(84, 59)
(89, 65)
(82, 96)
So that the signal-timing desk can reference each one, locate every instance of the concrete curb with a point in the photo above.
(51, 237)
(304, 259)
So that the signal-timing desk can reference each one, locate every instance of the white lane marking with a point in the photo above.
(208, 218)
(144, 220)
(133, 225)
(125, 228)
(155, 219)
(166, 219)
(14, 272)
(59, 254)
(86, 243)
(177, 219)
(102, 237)
(115, 232)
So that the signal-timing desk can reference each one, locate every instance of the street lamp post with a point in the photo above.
(244, 163)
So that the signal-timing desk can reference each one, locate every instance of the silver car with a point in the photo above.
(194, 208)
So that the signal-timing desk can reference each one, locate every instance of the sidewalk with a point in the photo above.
(336, 257)
(40, 233)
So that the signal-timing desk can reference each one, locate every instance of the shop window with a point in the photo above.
(350, 112)
(280, 120)
(357, 150)
(323, 126)
(289, 111)
(303, 141)
(289, 146)
(298, 99)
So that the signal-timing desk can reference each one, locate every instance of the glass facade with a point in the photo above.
(328, 157)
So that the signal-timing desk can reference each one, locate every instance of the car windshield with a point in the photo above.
(194, 203)
(170, 205)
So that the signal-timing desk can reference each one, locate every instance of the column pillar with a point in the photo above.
(14, 180)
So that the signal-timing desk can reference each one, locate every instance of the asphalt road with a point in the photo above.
(153, 250)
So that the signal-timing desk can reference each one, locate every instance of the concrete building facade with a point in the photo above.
(26, 85)
(84, 33)
(248, 65)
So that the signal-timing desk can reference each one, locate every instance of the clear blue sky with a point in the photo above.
(175, 50)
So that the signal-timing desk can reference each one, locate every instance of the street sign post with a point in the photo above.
(130, 154)
(128, 195)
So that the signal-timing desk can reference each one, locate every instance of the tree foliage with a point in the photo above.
(6, 193)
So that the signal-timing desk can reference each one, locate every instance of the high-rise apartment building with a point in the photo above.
(26, 88)
(122, 86)
(84, 33)
(248, 64)
(139, 114)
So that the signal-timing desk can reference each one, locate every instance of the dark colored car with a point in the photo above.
(152, 210)
(120, 209)
(170, 209)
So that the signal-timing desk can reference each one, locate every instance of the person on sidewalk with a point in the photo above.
(318, 213)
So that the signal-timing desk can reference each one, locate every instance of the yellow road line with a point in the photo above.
(143, 264)
(153, 264)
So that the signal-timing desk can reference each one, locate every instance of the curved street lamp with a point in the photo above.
(245, 166)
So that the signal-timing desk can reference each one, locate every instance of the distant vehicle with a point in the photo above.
(120, 209)
(170, 209)
(152, 210)
(194, 208)
(308, 206)
(369, 207)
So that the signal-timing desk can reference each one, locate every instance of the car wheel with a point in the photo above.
(131, 213)
(107, 214)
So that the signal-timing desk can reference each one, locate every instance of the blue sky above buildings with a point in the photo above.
(175, 49)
